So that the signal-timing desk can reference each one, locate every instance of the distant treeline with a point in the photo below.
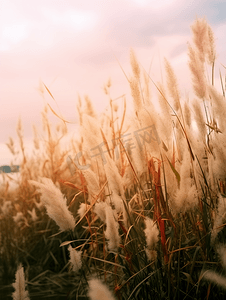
(9, 169)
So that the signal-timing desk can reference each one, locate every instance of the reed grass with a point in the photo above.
(139, 199)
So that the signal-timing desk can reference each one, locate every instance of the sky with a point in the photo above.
(74, 47)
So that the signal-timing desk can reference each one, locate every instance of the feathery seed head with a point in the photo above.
(219, 218)
(151, 232)
(112, 228)
(135, 92)
(187, 114)
(211, 51)
(89, 110)
(151, 254)
(172, 85)
(185, 198)
(215, 278)
(92, 183)
(200, 36)
(19, 285)
(82, 209)
(199, 119)
(90, 131)
(117, 202)
(100, 210)
(152, 236)
(75, 259)
(55, 204)
(204, 40)
(134, 64)
(115, 180)
(219, 106)
(99, 291)
(221, 249)
(198, 74)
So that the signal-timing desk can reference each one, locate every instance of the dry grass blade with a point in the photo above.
(139, 284)
(222, 85)
(62, 119)
(106, 143)
(106, 262)
(123, 117)
(121, 68)
(174, 171)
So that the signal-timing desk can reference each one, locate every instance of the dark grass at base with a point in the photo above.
(44, 293)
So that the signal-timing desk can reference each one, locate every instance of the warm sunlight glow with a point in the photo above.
(77, 19)
(13, 34)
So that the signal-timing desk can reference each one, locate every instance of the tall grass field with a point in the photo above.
(135, 207)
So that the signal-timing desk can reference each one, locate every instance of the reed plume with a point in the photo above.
(135, 92)
(204, 40)
(200, 37)
(211, 51)
(219, 218)
(152, 237)
(135, 65)
(19, 285)
(89, 110)
(75, 259)
(198, 73)
(172, 85)
(99, 291)
(55, 203)
(92, 183)
(215, 278)
(112, 228)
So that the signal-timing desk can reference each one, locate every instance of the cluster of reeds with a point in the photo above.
(138, 200)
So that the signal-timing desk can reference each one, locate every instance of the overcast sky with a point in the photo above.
(73, 47)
